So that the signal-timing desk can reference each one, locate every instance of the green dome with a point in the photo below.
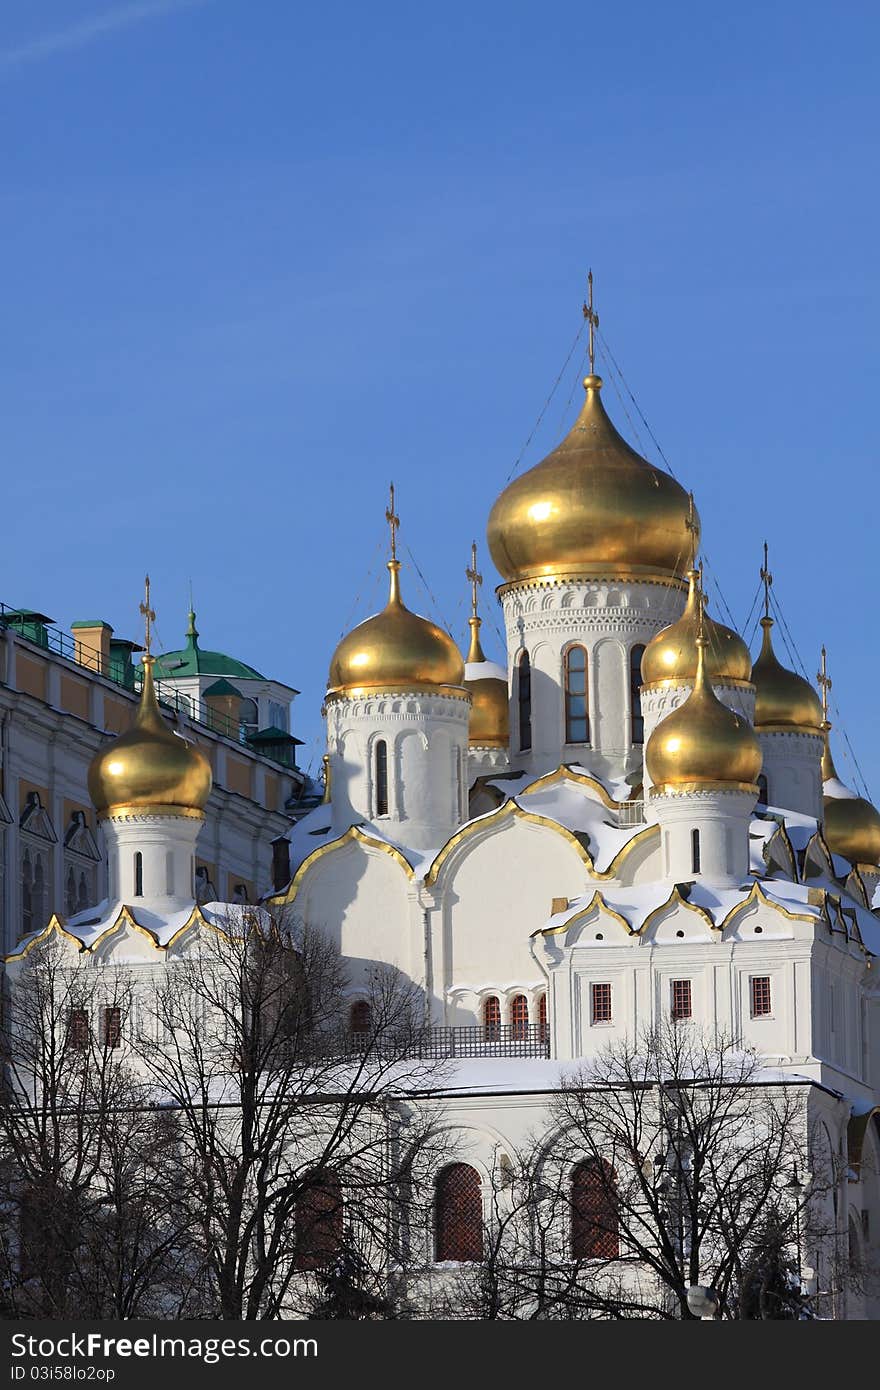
(193, 660)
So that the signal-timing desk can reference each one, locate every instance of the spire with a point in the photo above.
(829, 771)
(700, 682)
(693, 529)
(148, 712)
(149, 617)
(476, 652)
(592, 319)
(393, 564)
(767, 579)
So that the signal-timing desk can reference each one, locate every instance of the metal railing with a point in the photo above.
(505, 1040)
(632, 813)
(124, 674)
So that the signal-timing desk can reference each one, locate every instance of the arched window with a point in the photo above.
(492, 1016)
(519, 1016)
(542, 1018)
(138, 874)
(763, 794)
(27, 891)
(381, 756)
(524, 701)
(577, 723)
(361, 1016)
(637, 723)
(695, 851)
(39, 892)
(70, 893)
(594, 1213)
(318, 1221)
(248, 717)
(458, 1213)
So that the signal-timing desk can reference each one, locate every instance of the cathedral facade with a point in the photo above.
(631, 824)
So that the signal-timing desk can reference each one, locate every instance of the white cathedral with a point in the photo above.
(633, 822)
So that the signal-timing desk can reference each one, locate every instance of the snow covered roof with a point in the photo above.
(88, 928)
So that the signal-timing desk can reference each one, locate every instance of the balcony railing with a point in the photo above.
(123, 673)
(505, 1040)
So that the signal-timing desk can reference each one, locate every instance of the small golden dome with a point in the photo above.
(851, 825)
(490, 700)
(783, 699)
(149, 766)
(395, 650)
(672, 654)
(703, 743)
(592, 507)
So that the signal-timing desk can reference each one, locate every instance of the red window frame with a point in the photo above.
(682, 1001)
(542, 1018)
(361, 1016)
(595, 1219)
(78, 1028)
(318, 1222)
(600, 1002)
(112, 1026)
(458, 1215)
(519, 1016)
(761, 996)
(492, 1016)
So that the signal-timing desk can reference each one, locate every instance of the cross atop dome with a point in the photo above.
(393, 521)
(149, 616)
(592, 319)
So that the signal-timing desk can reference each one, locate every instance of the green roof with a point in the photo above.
(222, 687)
(193, 660)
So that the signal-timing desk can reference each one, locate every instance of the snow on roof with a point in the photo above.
(838, 791)
(90, 925)
(472, 1076)
(484, 670)
(574, 808)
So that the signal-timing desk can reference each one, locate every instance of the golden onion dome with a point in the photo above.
(490, 701)
(703, 744)
(672, 654)
(783, 699)
(149, 767)
(395, 650)
(851, 825)
(593, 508)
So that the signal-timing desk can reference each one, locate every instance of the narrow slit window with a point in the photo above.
(381, 778)
(524, 701)
(138, 874)
(577, 721)
(637, 723)
(695, 851)
(542, 1018)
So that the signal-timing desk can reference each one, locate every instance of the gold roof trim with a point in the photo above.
(688, 788)
(356, 692)
(620, 574)
(353, 835)
(676, 899)
(565, 772)
(138, 809)
(686, 683)
(53, 926)
(597, 901)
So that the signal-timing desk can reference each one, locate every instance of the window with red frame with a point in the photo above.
(458, 1214)
(112, 1027)
(360, 1017)
(492, 1016)
(519, 1016)
(594, 1212)
(760, 989)
(681, 999)
(318, 1222)
(77, 1028)
(542, 1018)
(601, 1003)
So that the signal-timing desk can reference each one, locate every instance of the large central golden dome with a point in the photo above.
(149, 767)
(593, 508)
(395, 650)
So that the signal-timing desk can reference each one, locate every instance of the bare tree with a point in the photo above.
(289, 1126)
(82, 1230)
(685, 1149)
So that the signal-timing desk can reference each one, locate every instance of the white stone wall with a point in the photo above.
(426, 736)
(721, 821)
(608, 619)
(792, 767)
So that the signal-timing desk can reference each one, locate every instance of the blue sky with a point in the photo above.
(261, 257)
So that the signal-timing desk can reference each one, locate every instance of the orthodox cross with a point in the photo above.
(767, 578)
(475, 578)
(691, 524)
(393, 521)
(149, 616)
(593, 320)
(825, 681)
